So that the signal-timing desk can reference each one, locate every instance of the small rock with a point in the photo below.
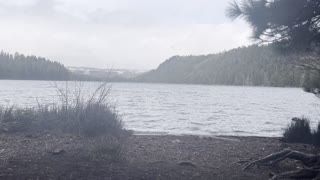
(176, 141)
(58, 151)
(186, 163)
(29, 136)
(271, 174)
(25, 140)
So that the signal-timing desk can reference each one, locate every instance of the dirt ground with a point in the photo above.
(47, 156)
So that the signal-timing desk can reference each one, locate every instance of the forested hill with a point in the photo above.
(253, 66)
(22, 67)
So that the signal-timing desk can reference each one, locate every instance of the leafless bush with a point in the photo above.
(75, 113)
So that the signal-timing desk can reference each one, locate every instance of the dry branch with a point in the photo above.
(310, 162)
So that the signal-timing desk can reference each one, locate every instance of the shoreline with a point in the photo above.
(144, 157)
(202, 135)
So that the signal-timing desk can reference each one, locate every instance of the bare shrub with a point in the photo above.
(77, 113)
(298, 131)
(15, 119)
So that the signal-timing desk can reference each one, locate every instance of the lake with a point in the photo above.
(186, 109)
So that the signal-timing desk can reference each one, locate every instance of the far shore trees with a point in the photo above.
(21, 67)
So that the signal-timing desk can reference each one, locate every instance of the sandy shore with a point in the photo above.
(145, 157)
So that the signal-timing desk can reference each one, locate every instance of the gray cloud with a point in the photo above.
(28, 7)
(117, 33)
(161, 12)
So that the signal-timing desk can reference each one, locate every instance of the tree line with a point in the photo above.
(252, 66)
(19, 66)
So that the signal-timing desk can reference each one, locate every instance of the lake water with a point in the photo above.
(187, 109)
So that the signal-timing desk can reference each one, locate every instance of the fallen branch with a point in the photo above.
(311, 163)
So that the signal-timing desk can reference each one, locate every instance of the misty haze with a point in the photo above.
(160, 89)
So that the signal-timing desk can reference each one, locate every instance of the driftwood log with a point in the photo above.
(310, 162)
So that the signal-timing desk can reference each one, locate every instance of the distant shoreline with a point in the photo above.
(141, 82)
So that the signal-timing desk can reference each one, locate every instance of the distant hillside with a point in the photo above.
(253, 65)
(19, 66)
(105, 74)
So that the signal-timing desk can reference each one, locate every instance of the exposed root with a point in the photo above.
(311, 163)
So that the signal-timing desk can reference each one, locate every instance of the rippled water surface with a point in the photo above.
(187, 109)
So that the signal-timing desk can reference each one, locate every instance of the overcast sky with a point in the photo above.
(131, 34)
